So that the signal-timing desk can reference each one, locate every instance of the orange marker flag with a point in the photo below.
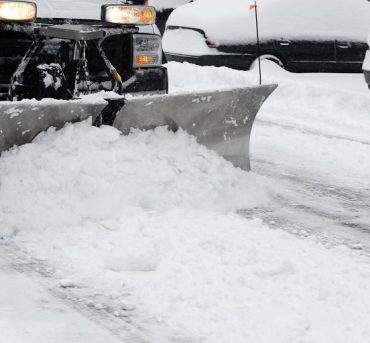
(252, 7)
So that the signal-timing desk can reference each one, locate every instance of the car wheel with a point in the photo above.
(268, 57)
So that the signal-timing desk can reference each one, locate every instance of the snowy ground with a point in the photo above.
(29, 314)
(154, 235)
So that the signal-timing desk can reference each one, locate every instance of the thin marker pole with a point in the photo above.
(258, 43)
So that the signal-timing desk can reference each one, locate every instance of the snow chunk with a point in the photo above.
(67, 283)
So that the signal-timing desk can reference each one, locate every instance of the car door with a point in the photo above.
(304, 55)
(350, 55)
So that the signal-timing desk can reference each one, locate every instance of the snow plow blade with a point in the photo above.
(220, 120)
(21, 122)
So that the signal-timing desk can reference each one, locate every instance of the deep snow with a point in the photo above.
(148, 223)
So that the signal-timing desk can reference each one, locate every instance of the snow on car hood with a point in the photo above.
(88, 9)
(165, 4)
(233, 22)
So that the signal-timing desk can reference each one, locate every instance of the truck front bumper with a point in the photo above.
(147, 80)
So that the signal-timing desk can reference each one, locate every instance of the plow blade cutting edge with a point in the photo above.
(220, 120)
(21, 122)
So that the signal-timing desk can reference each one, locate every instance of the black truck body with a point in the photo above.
(46, 52)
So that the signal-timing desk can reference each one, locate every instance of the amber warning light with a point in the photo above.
(128, 15)
(143, 60)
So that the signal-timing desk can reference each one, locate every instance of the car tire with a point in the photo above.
(269, 57)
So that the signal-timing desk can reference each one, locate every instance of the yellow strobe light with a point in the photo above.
(17, 11)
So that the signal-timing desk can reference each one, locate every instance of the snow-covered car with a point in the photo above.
(301, 36)
(164, 8)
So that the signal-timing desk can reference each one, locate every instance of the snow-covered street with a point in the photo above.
(153, 235)
(30, 313)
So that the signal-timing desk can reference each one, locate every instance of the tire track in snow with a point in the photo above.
(331, 213)
(123, 326)
(311, 131)
(307, 203)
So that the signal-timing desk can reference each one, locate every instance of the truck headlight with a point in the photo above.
(147, 51)
(129, 15)
(17, 11)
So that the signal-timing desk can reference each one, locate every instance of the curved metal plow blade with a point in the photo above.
(220, 120)
(21, 122)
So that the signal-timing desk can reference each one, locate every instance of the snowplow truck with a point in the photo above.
(66, 61)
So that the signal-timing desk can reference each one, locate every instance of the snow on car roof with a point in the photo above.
(233, 22)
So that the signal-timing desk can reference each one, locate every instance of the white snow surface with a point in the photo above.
(28, 314)
(164, 4)
(154, 215)
(366, 64)
(195, 43)
(85, 9)
(89, 9)
(232, 22)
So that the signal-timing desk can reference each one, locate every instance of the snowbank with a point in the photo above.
(156, 171)
(232, 22)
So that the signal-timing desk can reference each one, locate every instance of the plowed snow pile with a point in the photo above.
(150, 221)
(85, 175)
